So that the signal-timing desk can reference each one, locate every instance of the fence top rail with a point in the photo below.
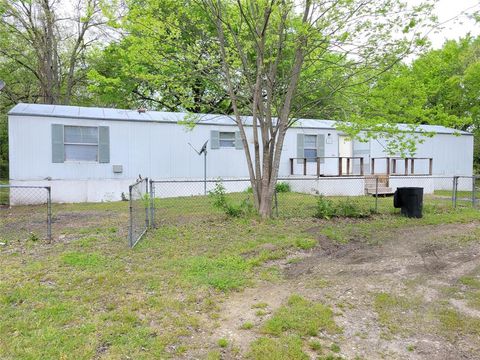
(402, 158)
(197, 180)
(23, 187)
(328, 157)
(311, 177)
(139, 182)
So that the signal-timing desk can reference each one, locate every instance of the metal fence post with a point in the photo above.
(474, 192)
(152, 204)
(147, 204)
(49, 213)
(130, 226)
(454, 191)
(376, 194)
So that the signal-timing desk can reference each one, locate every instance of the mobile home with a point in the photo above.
(93, 154)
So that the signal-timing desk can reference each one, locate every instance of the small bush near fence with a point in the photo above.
(220, 202)
(350, 208)
(282, 187)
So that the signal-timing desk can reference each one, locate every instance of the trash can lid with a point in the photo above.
(409, 188)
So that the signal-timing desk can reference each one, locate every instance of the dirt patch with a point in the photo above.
(412, 263)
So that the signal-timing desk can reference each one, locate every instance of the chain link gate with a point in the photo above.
(139, 203)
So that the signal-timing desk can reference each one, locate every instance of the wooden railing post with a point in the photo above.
(430, 166)
(348, 166)
(394, 170)
(361, 166)
(340, 166)
(291, 166)
(388, 166)
(304, 166)
(406, 166)
(412, 166)
(318, 167)
(372, 171)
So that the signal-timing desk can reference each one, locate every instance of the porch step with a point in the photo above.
(371, 181)
(382, 190)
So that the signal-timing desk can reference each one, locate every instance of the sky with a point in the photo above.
(453, 29)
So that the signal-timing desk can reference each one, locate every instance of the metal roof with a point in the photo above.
(110, 114)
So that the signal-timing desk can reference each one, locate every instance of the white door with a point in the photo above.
(345, 149)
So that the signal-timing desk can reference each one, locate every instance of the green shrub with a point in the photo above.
(325, 208)
(349, 208)
(219, 201)
(282, 187)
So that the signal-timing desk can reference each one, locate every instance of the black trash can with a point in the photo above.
(410, 200)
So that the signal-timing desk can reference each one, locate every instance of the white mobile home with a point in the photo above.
(93, 154)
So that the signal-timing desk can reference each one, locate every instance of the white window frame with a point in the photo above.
(305, 147)
(65, 143)
(232, 133)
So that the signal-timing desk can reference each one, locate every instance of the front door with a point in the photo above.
(345, 149)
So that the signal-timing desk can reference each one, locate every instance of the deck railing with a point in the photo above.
(345, 165)
(392, 162)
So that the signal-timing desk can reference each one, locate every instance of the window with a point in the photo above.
(227, 139)
(310, 147)
(80, 143)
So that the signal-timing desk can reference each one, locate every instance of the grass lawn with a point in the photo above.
(4, 193)
(87, 295)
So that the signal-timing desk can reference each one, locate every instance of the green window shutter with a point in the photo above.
(238, 141)
(321, 147)
(103, 144)
(58, 154)
(300, 148)
(214, 139)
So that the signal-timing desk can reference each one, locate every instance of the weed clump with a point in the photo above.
(282, 187)
(349, 208)
(220, 202)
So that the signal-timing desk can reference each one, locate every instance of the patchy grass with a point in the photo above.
(260, 305)
(380, 228)
(457, 324)
(81, 260)
(87, 293)
(226, 273)
(306, 244)
(286, 347)
(449, 193)
(301, 316)
(246, 326)
(396, 313)
(315, 345)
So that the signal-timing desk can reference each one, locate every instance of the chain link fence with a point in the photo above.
(183, 201)
(465, 191)
(25, 213)
(198, 200)
(138, 211)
